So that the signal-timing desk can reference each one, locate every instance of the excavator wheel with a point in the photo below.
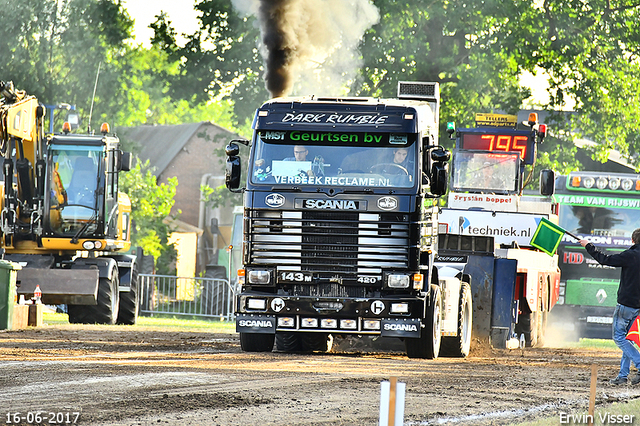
(129, 301)
(105, 312)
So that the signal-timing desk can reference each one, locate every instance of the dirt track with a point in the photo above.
(141, 376)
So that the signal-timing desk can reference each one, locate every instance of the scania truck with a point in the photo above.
(340, 225)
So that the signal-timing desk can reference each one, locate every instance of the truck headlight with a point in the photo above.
(398, 281)
(257, 304)
(399, 308)
(259, 277)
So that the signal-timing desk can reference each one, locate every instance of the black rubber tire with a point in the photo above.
(460, 345)
(105, 312)
(527, 325)
(316, 342)
(130, 301)
(542, 328)
(214, 300)
(256, 342)
(427, 346)
(288, 342)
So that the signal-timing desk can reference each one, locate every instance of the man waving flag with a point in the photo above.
(548, 236)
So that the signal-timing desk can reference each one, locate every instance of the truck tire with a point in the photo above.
(459, 345)
(256, 342)
(542, 327)
(105, 312)
(303, 342)
(527, 325)
(214, 300)
(428, 344)
(130, 301)
(316, 342)
(288, 342)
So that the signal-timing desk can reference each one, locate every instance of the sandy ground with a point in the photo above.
(116, 375)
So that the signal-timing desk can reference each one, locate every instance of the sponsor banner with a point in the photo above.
(334, 181)
(333, 118)
(255, 323)
(595, 201)
(608, 241)
(503, 227)
(496, 120)
(400, 328)
(493, 202)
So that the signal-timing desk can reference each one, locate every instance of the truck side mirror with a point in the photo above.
(439, 177)
(547, 182)
(233, 169)
(126, 160)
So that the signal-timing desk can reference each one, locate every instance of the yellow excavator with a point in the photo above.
(62, 217)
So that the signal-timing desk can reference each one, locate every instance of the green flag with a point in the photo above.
(547, 236)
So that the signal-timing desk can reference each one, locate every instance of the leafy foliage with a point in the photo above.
(151, 205)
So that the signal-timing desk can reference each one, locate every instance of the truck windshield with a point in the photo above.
(346, 161)
(485, 172)
(609, 223)
(73, 181)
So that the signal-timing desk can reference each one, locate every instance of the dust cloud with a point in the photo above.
(310, 46)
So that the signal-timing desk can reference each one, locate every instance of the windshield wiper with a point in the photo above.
(82, 230)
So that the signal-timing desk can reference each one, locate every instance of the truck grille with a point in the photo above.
(333, 245)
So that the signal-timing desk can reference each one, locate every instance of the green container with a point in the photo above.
(8, 273)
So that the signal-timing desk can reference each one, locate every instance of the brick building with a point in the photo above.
(194, 153)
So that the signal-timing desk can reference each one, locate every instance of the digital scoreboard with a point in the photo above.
(495, 139)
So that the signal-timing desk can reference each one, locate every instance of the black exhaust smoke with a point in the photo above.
(280, 46)
(311, 44)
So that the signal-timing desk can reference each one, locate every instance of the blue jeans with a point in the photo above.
(622, 319)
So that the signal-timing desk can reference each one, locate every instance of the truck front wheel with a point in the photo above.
(428, 344)
(459, 345)
(288, 342)
(256, 342)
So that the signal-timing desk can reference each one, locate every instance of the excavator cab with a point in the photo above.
(74, 177)
(82, 187)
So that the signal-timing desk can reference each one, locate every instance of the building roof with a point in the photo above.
(161, 143)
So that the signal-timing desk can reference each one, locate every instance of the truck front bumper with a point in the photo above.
(388, 317)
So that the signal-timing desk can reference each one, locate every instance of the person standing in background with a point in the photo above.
(628, 302)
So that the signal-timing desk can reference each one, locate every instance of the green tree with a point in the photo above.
(477, 50)
(150, 208)
(220, 59)
(52, 49)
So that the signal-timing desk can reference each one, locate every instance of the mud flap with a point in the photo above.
(247, 323)
(60, 286)
(409, 327)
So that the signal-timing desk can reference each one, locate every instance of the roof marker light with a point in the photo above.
(614, 183)
(601, 183)
(589, 182)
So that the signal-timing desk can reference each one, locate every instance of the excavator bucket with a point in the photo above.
(60, 286)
